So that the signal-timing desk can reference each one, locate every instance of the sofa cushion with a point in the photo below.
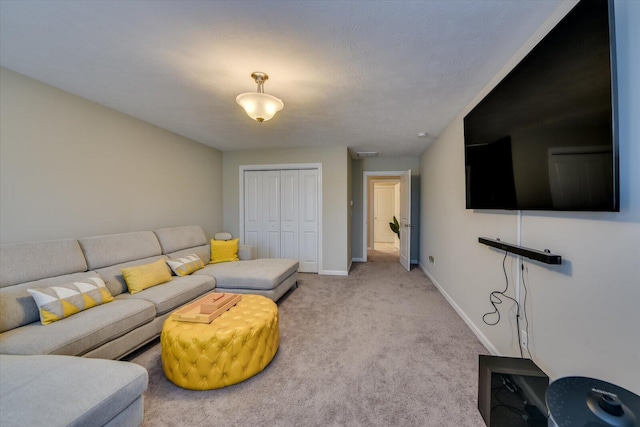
(179, 291)
(141, 277)
(259, 274)
(81, 333)
(274, 294)
(113, 275)
(68, 391)
(173, 239)
(185, 265)
(112, 249)
(18, 308)
(27, 262)
(224, 251)
(57, 302)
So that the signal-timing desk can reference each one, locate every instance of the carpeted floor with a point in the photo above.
(380, 347)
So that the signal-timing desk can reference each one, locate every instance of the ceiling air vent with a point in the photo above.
(362, 154)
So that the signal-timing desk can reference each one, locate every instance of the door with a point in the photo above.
(383, 211)
(252, 208)
(281, 212)
(269, 246)
(405, 219)
(289, 209)
(262, 212)
(309, 211)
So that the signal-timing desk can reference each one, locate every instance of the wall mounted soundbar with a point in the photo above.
(542, 256)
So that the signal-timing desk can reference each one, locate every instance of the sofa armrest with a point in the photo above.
(246, 252)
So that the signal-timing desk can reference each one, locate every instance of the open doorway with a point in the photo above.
(385, 196)
(384, 202)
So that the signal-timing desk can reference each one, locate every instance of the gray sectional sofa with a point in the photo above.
(114, 329)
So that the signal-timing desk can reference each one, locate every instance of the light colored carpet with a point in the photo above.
(384, 252)
(380, 347)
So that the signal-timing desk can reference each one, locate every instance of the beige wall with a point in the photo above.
(72, 168)
(583, 314)
(335, 224)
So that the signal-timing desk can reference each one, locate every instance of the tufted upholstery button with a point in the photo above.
(235, 346)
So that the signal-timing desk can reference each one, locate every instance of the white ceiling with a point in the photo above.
(368, 75)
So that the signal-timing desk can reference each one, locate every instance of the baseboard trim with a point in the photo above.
(333, 272)
(358, 260)
(482, 337)
(414, 261)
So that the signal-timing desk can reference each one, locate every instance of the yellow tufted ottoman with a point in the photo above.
(235, 346)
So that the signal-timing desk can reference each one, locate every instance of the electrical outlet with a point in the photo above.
(524, 339)
(432, 260)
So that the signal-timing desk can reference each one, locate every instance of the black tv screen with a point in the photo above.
(545, 137)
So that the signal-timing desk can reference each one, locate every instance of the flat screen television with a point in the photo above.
(545, 138)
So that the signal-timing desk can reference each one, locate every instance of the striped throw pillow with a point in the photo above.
(185, 266)
(58, 302)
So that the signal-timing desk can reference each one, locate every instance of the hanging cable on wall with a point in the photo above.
(495, 298)
(524, 309)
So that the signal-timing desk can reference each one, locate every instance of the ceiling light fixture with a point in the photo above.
(258, 105)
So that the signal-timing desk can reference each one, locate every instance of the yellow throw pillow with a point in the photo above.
(58, 302)
(224, 251)
(186, 265)
(141, 277)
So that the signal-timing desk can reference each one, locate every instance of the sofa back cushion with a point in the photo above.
(27, 262)
(112, 249)
(18, 308)
(174, 239)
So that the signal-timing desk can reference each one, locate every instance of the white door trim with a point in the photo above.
(365, 202)
(317, 166)
(405, 220)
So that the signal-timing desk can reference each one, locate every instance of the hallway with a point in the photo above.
(383, 252)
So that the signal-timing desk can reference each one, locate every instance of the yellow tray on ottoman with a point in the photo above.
(235, 346)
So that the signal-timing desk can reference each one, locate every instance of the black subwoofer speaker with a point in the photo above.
(511, 392)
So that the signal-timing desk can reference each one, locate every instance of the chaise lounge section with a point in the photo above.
(270, 277)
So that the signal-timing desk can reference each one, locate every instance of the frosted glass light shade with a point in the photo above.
(259, 106)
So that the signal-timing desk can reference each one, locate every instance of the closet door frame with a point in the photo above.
(317, 166)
